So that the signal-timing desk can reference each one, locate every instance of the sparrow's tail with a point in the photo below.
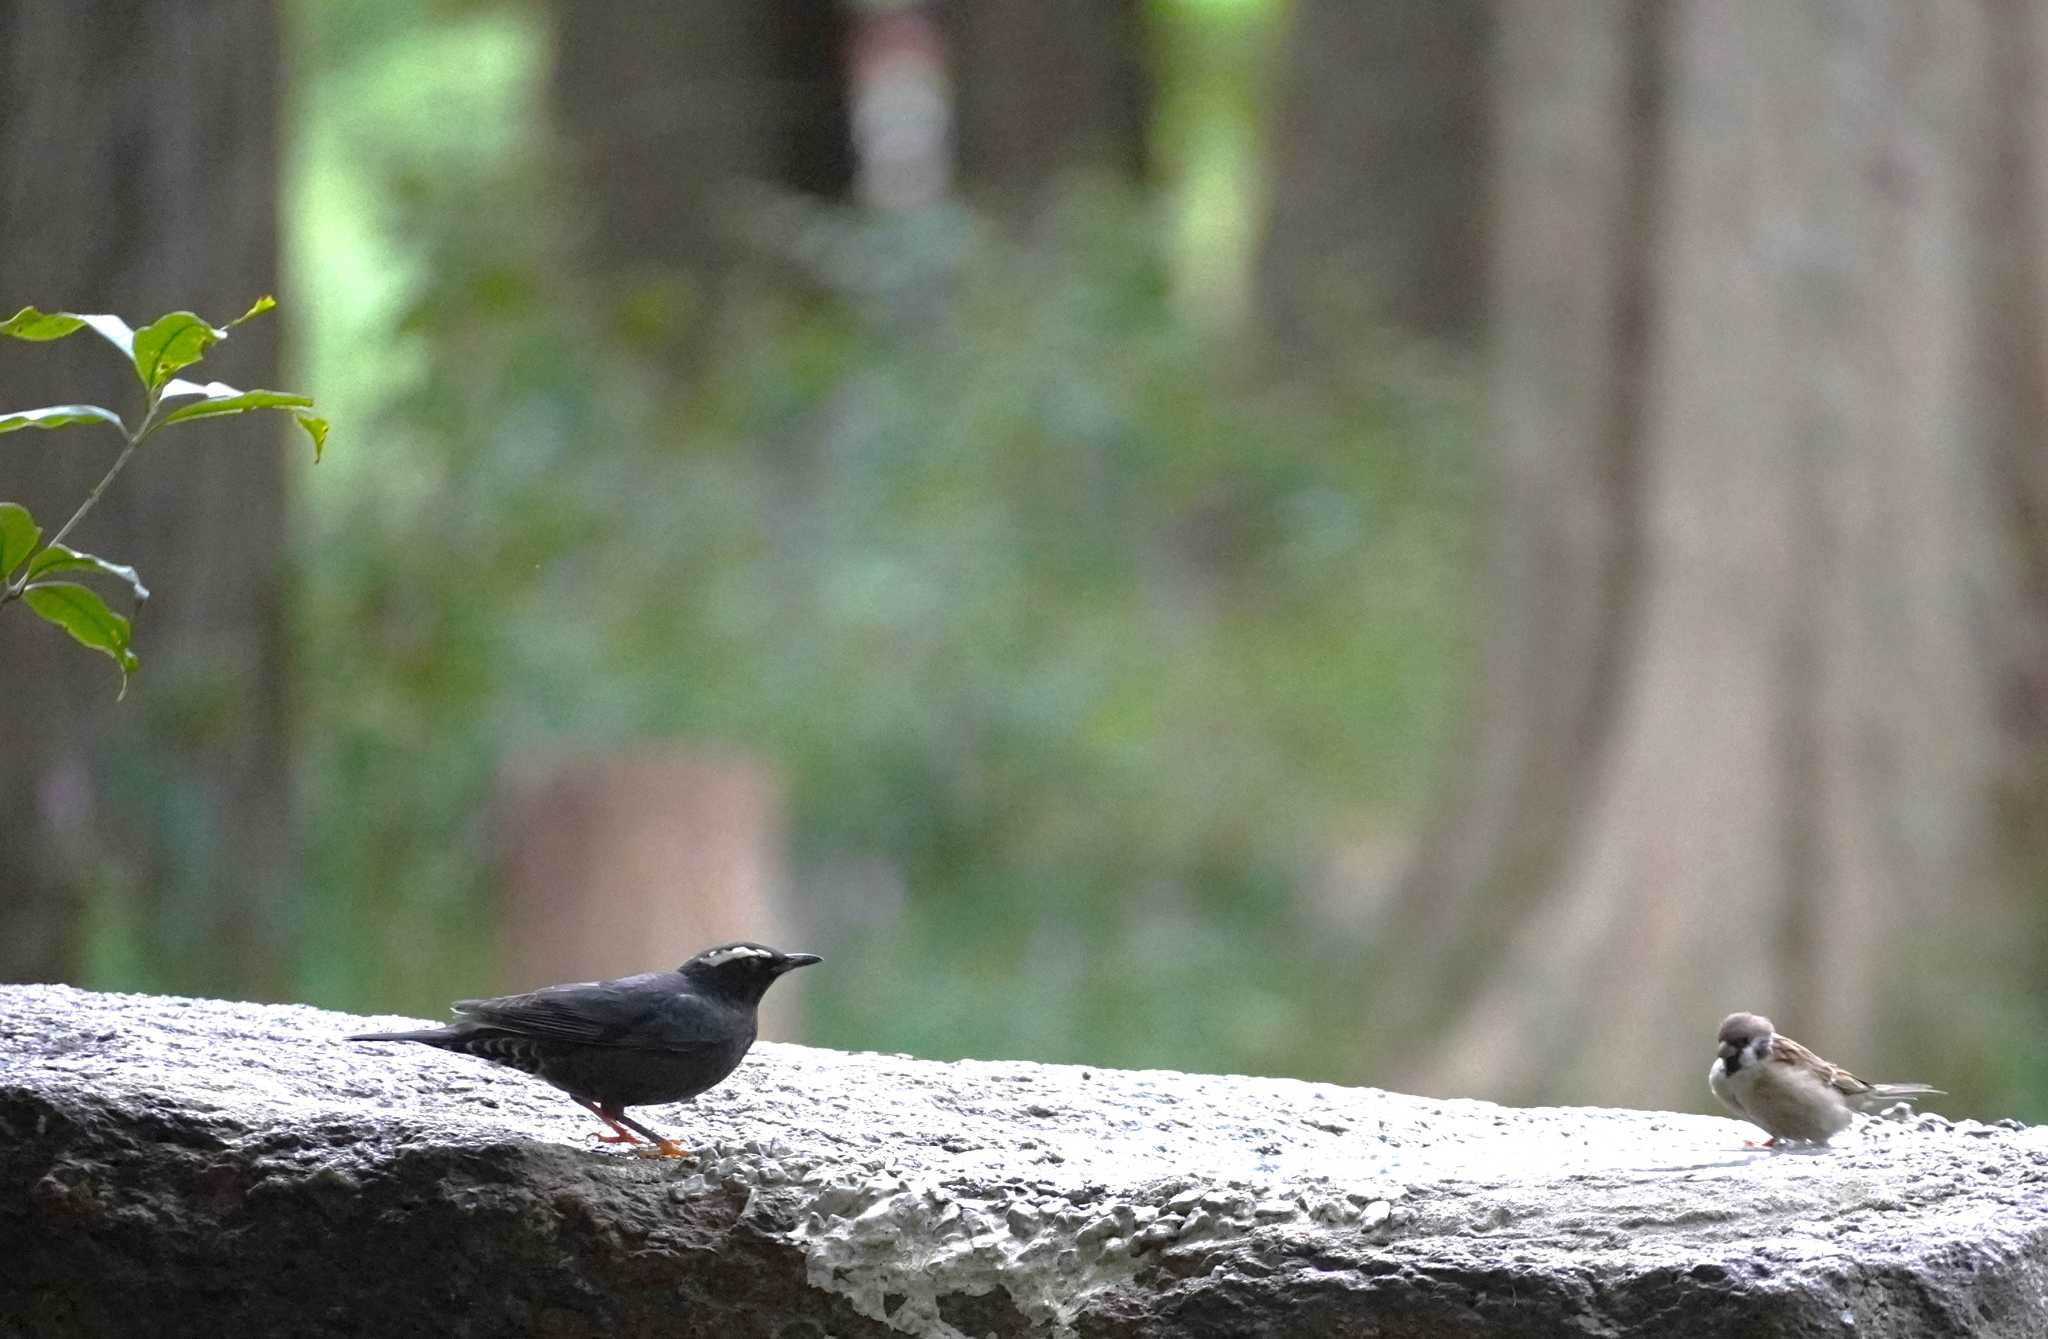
(1882, 1094)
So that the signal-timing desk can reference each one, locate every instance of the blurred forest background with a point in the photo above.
(1446, 543)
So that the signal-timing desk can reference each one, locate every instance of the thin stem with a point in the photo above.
(94, 495)
(142, 431)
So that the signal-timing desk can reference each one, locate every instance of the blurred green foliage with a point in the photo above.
(1083, 651)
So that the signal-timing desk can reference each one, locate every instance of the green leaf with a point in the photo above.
(18, 536)
(63, 558)
(178, 386)
(261, 305)
(28, 323)
(222, 398)
(169, 343)
(114, 330)
(59, 416)
(84, 615)
(157, 350)
(316, 428)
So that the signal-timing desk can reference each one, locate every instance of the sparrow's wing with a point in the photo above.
(651, 1011)
(1785, 1051)
(1859, 1094)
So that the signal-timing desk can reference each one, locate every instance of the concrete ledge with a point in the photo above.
(181, 1167)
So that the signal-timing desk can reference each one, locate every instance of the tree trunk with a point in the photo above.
(663, 117)
(1044, 89)
(138, 152)
(604, 859)
(1377, 169)
(1752, 723)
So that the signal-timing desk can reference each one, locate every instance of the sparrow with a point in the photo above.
(656, 1037)
(1773, 1081)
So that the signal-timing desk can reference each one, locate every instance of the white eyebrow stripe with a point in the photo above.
(719, 955)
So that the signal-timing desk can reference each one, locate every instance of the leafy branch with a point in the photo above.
(32, 567)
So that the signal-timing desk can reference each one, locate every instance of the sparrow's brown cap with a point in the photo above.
(1739, 1030)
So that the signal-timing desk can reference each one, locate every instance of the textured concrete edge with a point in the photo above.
(1315, 1281)
(151, 1184)
(118, 1225)
(98, 1206)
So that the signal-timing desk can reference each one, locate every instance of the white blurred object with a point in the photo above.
(902, 108)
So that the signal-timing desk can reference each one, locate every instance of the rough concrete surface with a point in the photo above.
(182, 1167)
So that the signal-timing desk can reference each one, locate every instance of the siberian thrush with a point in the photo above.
(656, 1037)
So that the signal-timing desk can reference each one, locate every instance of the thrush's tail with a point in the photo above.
(433, 1036)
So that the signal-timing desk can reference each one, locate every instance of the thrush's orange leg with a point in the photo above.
(618, 1135)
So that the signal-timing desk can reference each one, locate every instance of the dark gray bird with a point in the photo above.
(656, 1037)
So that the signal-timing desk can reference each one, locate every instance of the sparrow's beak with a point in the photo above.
(792, 961)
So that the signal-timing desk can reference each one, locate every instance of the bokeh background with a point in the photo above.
(1442, 543)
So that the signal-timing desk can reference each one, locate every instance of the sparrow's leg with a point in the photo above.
(617, 1136)
(663, 1147)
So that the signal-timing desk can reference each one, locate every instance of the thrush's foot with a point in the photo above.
(620, 1138)
(663, 1146)
(666, 1148)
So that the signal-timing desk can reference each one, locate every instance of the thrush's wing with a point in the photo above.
(652, 1011)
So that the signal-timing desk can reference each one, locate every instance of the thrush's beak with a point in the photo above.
(792, 961)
